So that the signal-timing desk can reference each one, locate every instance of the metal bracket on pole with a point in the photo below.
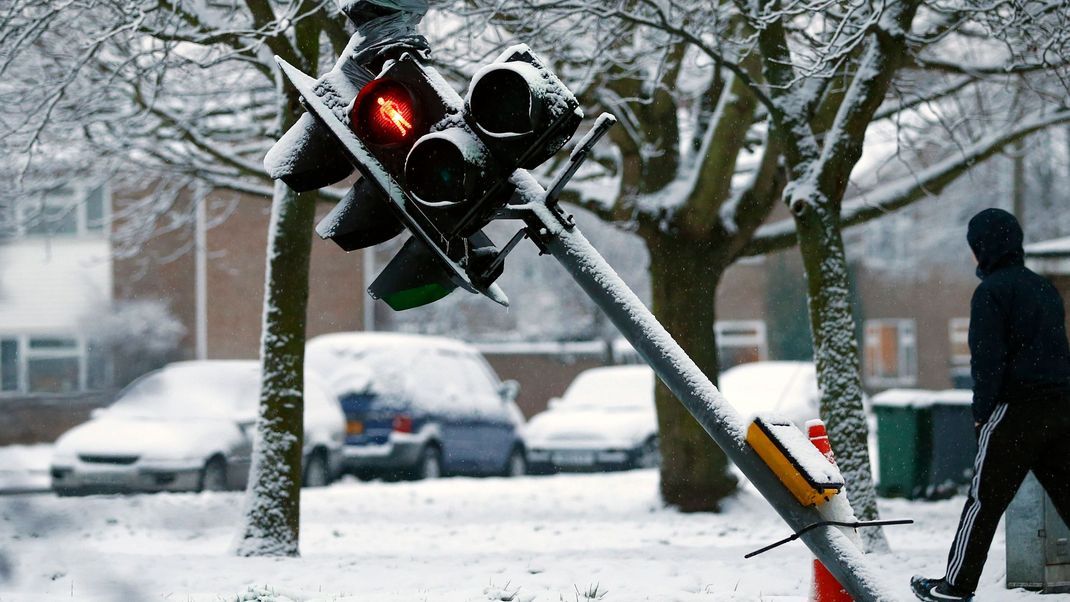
(559, 237)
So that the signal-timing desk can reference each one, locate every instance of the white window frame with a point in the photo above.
(906, 350)
(25, 354)
(78, 195)
(958, 332)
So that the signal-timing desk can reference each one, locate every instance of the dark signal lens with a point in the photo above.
(384, 113)
(435, 171)
(501, 103)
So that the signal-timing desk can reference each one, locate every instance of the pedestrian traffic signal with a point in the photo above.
(430, 161)
(521, 108)
(383, 112)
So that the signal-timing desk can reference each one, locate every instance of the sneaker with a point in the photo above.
(936, 590)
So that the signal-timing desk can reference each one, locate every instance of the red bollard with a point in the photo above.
(824, 587)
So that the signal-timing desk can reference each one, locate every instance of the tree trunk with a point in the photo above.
(273, 496)
(836, 355)
(1018, 184)
(684, 277)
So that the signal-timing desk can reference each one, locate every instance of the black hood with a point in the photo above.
(996, 240)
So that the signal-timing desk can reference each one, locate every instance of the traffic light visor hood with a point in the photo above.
(521, 109)
(443, 168)
(385, 113)
(501, 98)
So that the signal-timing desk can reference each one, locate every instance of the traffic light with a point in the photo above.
(431, 162)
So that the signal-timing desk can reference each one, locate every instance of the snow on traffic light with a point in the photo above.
(431, 162)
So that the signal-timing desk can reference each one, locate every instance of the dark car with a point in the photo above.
(420, 407)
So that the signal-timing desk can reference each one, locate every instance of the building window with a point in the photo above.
(65, 211)
(52, 364)
(891, 352)
(95, 209)
(887, 242)
(9, 364)
(740, 342)
(958, 330)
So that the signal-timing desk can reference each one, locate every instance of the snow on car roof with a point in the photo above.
(209, 388)
(357, 340)
(194, 388)
(788, 389)
(332, 355)
(431, 373)
(612, 385)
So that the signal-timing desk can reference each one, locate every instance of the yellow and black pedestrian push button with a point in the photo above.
(804, 470)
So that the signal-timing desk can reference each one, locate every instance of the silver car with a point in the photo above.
(188, 427)
(604, 421)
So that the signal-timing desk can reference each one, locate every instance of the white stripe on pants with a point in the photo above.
(963, 534)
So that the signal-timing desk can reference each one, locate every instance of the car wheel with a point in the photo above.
(649, 455)
(517, 465)
(214, 475)
(430, 464)
(317, 473)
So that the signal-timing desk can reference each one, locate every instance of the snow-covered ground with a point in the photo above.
(25, 467)
(544, 538)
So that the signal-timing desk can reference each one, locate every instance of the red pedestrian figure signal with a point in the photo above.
(384, 113)
(389, 109)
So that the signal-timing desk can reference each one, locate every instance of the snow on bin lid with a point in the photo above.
(1049, 257)
(1055, 246)
(953, 397)
(903, 398)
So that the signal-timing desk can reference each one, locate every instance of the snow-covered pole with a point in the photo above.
(564, 241)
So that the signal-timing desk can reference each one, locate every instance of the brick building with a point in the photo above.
(82, 307)
(216, 289)
(204, 270)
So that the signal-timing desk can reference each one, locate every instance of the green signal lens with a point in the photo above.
(415, 297)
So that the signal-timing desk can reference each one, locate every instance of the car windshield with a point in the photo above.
(222, 390)
(613, 389)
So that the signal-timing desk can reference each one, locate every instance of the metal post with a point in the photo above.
(687, 382)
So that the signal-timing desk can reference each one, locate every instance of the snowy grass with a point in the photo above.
(566, 538)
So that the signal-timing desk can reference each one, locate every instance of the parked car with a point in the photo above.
(188, 427)
(419, 406)
(782, 388)
(604, 421)
(606, 418)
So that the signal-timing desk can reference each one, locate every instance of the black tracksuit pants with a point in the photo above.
(1016, 439)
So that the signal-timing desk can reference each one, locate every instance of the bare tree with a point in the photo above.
(183, 95)
(727, 108)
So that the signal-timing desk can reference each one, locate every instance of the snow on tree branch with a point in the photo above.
(927, 181)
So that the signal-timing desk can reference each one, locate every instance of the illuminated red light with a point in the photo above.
(384, 113)
(390, 110)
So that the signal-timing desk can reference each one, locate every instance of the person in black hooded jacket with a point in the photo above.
(1020, 363)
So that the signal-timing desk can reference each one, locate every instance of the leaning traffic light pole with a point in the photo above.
(443, 167)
